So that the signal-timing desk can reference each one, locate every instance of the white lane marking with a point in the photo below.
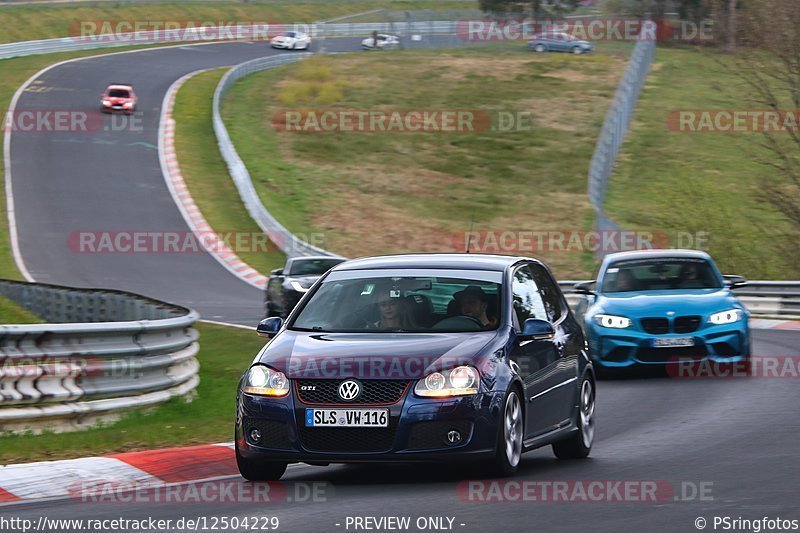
(229, 324)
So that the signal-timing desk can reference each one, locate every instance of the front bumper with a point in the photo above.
(282, 44)
(416, 432)
(619, 348)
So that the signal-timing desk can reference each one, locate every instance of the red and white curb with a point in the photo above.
(766, 323)
(153, 468)
(183, 198)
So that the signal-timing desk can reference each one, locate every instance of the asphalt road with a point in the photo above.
(735, 439)
(69, 182)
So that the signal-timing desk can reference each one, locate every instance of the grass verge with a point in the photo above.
(388, 192)
(13, 313)
(29, 22)
(225, 353)
(701, 184)
(206, 173)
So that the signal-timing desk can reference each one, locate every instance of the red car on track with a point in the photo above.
(118, 97)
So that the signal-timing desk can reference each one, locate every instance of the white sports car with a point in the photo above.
(383, 42)
(291, 40)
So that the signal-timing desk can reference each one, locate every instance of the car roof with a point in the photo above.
(656, 254)
(432, 261)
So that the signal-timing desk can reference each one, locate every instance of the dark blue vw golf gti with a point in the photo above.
(419, 358)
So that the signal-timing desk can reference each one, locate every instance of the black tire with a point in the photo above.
(540, 48)
(579, 443)
(502, 465)
(577, 50)
(259, 470)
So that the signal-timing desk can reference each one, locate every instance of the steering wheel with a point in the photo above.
(458, 322)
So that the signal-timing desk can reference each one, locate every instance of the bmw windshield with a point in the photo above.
(660, 274)
(403, 302)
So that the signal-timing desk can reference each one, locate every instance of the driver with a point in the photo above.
(474, 303)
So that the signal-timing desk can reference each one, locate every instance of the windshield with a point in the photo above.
(400, 304)
(118, 93)
(312, 267)
(660, 275)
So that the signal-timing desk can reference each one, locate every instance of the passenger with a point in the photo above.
(689, 277)
(475, 303)
(394, 314)
(625, 281)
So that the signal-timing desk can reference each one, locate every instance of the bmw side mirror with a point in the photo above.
(269, 327)
(735, 281)
(585, 287)
(537, 329)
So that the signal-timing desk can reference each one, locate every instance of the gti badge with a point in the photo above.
(349, 390)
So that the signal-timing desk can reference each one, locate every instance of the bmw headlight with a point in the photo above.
(726, 317)
(264, 381)
(459, 381)
(613, 321)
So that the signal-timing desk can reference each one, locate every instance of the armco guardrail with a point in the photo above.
(101, 352)
(762, 298)
(289, 243)
(615, 128)
(216, 33)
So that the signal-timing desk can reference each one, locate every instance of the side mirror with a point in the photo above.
(269, 327)
(584, 287)
(537, 329)
(277, 272)
(735, 281)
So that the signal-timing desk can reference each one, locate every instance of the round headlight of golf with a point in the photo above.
(264, 381)
(462, 377)
(434, 381)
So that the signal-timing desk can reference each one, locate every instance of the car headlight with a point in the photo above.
(459, 381)
(127, 104)
(106, 102)
(726, 317)
(264, 381)
(613, 321)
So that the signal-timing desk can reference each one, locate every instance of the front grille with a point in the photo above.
(374, 392)
(432, 434)
(655, 326)
(274, 434)
(687, 324)
(347, 440)
(663, 355)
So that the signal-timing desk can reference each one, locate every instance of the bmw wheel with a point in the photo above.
(579, 444)
(577, 50)
(540, 48)
(259, 470)
(509, 439)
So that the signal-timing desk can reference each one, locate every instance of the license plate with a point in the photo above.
(673, 342)
(347, 418)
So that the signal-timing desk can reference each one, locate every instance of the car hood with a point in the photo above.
(373, 355)
(661, 303)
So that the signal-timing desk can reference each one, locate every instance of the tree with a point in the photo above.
(768, 62)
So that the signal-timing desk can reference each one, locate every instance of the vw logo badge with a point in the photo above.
(349, 390)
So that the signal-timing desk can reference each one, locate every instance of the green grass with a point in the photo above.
(701, 182)
(225, 353)
(13, 313)
(394, 192)
(206, 174)
(22, 23)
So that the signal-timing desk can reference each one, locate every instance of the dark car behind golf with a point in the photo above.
(419, 358)
(287, 285)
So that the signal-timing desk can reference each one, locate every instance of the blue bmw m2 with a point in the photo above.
(659, 307)
(419, 358)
